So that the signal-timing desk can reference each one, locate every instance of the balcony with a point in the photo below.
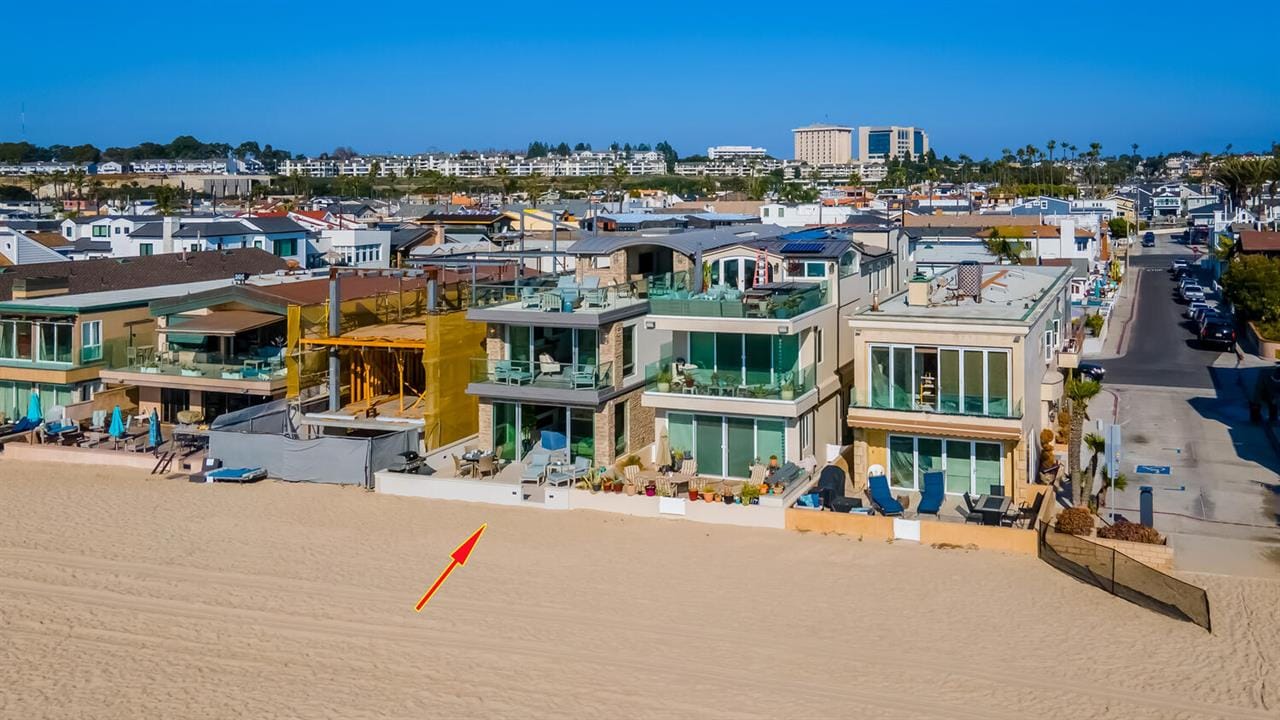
(691, 389)
(564, 300)
(999, 420)
(253, 373)
(779, 301)
(534, 381)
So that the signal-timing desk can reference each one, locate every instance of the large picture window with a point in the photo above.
(726, 446)
(972, 381)
(968, 465)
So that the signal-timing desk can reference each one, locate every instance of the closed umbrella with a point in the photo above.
(155, 438)
(33, 408)
(116, 429)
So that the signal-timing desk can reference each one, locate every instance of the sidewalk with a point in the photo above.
(1116, 333)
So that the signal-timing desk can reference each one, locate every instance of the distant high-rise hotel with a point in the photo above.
(880, 144)
(824, 144)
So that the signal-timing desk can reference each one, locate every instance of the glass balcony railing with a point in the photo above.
(253, 368)
(566, 294)
(781, 301)
(665, 376)
(551, 374)
(1001, 408)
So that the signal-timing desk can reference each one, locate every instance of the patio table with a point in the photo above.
(992, 507)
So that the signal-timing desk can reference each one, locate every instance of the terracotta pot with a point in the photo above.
(693, 495)
(630, 489)
(708, 497)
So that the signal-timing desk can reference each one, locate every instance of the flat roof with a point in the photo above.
(1011, 294)
(107, 299)
(223, 322)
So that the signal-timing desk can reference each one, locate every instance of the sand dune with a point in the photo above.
(124, 596)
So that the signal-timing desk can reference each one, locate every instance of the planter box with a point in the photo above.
(192, 373)
(232, 376)
(1159, 557)
(1267, 348)
(671, 506)
(149, 370)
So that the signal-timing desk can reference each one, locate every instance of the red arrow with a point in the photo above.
(459, 557)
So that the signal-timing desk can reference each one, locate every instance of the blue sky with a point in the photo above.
(410, 77)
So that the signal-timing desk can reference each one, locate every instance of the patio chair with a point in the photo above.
(550, 302)
(584, 376)
(933, 495)
(831, 483)
(996, 490)
(486, 465)
(883, 502)
(547, 365)
(570, 474)
(459, 469)
(518, 374)
(1028, 514)
(968, 515)
(595, 297)
(535, 466)
(529, 298)
(98, 420)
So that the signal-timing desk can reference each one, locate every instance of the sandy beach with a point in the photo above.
(128, 596)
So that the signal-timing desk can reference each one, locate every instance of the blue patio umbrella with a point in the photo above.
(155, 439)
(116, 429)
(33, 408)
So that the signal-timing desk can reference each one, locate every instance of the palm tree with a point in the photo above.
(1004, 249)
(1078, 392)
(1097, 446)
(618, 174)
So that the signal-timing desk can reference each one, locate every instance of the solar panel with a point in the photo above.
(800, 248)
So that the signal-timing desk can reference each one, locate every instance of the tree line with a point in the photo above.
(183, 147)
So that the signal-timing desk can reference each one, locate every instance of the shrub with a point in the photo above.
(1075, 521)
(629, 461)
(1133, 532)
(1094, 322)
(1046, 437)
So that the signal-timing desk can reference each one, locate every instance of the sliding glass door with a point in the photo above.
(970, 381)
(727, 445)
(968, 465)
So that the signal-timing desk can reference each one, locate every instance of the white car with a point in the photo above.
(1195, 305)
(1192, 292)
(1178, 264)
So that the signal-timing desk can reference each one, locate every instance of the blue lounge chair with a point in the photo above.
(881, 500)
(529, 297)
(933, 495)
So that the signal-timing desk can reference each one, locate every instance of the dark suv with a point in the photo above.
(1218, 333)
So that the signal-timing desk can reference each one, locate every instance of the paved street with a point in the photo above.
(1185, 408)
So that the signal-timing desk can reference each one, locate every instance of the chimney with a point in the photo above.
(437, 237)
(918, 291)
(169, 225)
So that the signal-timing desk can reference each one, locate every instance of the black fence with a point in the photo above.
(1122, 576)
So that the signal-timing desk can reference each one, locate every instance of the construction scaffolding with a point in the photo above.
(402, 356)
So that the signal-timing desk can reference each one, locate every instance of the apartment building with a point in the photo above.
(891, 142)
(581, 164)
(959, 373)
(280, 236)
(823, 144)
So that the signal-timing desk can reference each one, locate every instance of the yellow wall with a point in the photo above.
(450, 413)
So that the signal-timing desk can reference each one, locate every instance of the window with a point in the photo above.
(972, 381)
(70, 232)
(144, 249)
(119, 230)
(91, 341)
(764, 212)
(1048, 345)
(101, 231)
(628, 349)
(282, 247)
(848, 264)
(620, 427)
(54, 342)
(782, 212)
(967, 465)
(817, 345)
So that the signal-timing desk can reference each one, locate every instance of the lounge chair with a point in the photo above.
(550, 302)
(969, 516)
(569, 474)
(595, 297)
(584, 376)
(535, 466)
(529, 297)
(933, 495)
(236, 475)
(831, 489)
(547, 365)
(517, 374)
(881, 499)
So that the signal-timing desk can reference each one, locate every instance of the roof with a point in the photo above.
(51, 239)
(276, 297)
(401, 237)
(126, 273)
(275, 224)
(1011, 294)
(686, 243)
(223, 322)
(107, 299)
(1259, 241)
(968, 220)
(218, 228)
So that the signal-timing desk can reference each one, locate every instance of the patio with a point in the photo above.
(564, 294)
(781, 300)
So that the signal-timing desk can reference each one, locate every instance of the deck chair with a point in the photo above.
(584, 376)
(529, 297)
(933, 495)
(831, 490)
(458, 468)
(1028, 515)
(881, 499)
(570, 474)
(550, 302)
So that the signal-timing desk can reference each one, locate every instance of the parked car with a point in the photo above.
(1192, 292)
(1194, 307)
(1212, 316)
(1177, 264)
(1218, 334)
(1149, 240)
(1092, 371)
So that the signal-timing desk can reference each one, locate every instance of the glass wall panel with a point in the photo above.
(928, 457)
(702, 349)
(729, 357)
(504, 430)
(6, 341)
(786, 353)
(759, 358)
(582, 433)
(710, 445)
(973, 379)
(680, 432)
(518, 342)
(23, 342)
(731, 273)
(771, 440)
(902, 390)
(588, 347)
(949, 384)
(749, 274)
(619, 428)
(880, 396)
(926, 384)
(959, 466)
(742, 446)
(902, 461)
(987, 466)
(998, 384)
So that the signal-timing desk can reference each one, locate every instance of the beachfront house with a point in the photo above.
(959, 373)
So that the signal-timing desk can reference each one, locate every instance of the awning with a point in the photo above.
(222, 322)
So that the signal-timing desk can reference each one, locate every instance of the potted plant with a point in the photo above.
(694, 493)
(651, 489)
(664, 380)
(151, 367)
(788, 391)
(726, 494)
(750, 494)
(708, 493)
(189, 370)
